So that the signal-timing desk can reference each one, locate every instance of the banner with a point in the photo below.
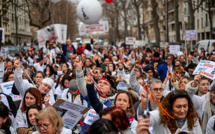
(191, 35)
(130, 41)
(70, 112)
(174, 49)
(7, 88)
(91, 117)
(86, 29)
(55, 32)
(205, 68)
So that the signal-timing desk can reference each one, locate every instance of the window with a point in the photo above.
(198, 24)
(206, 20)
(202, 23)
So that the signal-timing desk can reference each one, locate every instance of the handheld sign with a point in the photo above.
(70, 112)
(206, 68)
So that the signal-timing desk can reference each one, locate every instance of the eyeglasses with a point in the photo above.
(95, 72)
(45, 126)
(168, 59)
(156, 89)
(104, 83)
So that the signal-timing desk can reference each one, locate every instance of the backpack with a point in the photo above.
(13, 107)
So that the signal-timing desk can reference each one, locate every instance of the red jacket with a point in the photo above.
(80, 50)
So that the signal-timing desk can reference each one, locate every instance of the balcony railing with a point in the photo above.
(5, 18)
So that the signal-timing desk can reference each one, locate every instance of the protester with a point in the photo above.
(49, 121)
(31, 113)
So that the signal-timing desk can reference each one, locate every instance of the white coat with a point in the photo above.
(63, 131)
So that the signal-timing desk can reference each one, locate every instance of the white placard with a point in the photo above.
(191, 35)
(91, 117)
(205, 68)
(55, 32)
(130, 40)
(174, 49)
(1, 71)
(7, 89)
(99, 28)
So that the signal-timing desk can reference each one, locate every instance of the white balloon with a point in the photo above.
(89, 11)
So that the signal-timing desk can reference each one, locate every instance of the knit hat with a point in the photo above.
(156, 54)
(48, 81)
(109, 79)
(73, 85)
(147, 68)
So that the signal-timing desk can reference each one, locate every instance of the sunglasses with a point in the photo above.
(156, 89)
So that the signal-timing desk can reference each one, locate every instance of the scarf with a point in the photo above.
(209, 110)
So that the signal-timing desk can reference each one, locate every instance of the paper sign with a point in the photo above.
(205, 68)
(1, 71)
(191, 35)
(174, 49)
(7, 88)
(2, 30)
(86, 29)
(130, 40)
(71, 113)
(55, 32)
(91, 117)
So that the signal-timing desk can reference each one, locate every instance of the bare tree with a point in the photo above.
(39, 12)
(137, 4)
(177, 26)
(155, 19)
(5, 8)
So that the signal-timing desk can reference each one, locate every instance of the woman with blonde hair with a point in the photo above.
(49, 121)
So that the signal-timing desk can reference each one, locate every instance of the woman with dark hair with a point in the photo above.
(88, 51)
(112, 69)
(38, 77)
(64, 85)
(8, 76)
(31, 96)
(31, 113)
(58, 85)
(118, 117)
(65, 70)
(102, 126)
(175, 115)
(5, 120)
(50, 72)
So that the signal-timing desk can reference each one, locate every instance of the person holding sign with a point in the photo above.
(48, 121)
(204, 105)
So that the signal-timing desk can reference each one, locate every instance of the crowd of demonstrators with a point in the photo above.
(132, 90)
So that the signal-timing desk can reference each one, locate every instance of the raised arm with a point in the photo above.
(80, 77)
(20, 84)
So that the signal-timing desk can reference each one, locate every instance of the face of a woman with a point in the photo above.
(66, 83)
(29, 99)
(38, 78)
(212, 94)
(104, 86)
(180, 107)
(183, 83)
(204, 86)
(87, 62)
(31, 116)
(45, 126)
(11, 77)
(64, 67)
(61, 78)
(179, 74)
(110, 67)
(169, 60)
(122, 101)
(2, 121)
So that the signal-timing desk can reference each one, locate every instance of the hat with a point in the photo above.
(212, 88)
(48, 81)
(109, 79)
(156, 54)
(147, 68)
(73, 85)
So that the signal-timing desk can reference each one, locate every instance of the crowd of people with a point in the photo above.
(133, 90)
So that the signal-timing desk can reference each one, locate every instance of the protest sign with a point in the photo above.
(55, 32)
(86, 29)
(130, 40)
(71, 113)
(1, 71)
(174, 49)
(7, 88)
(191, 35)
(91, 117)
(206, 68)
